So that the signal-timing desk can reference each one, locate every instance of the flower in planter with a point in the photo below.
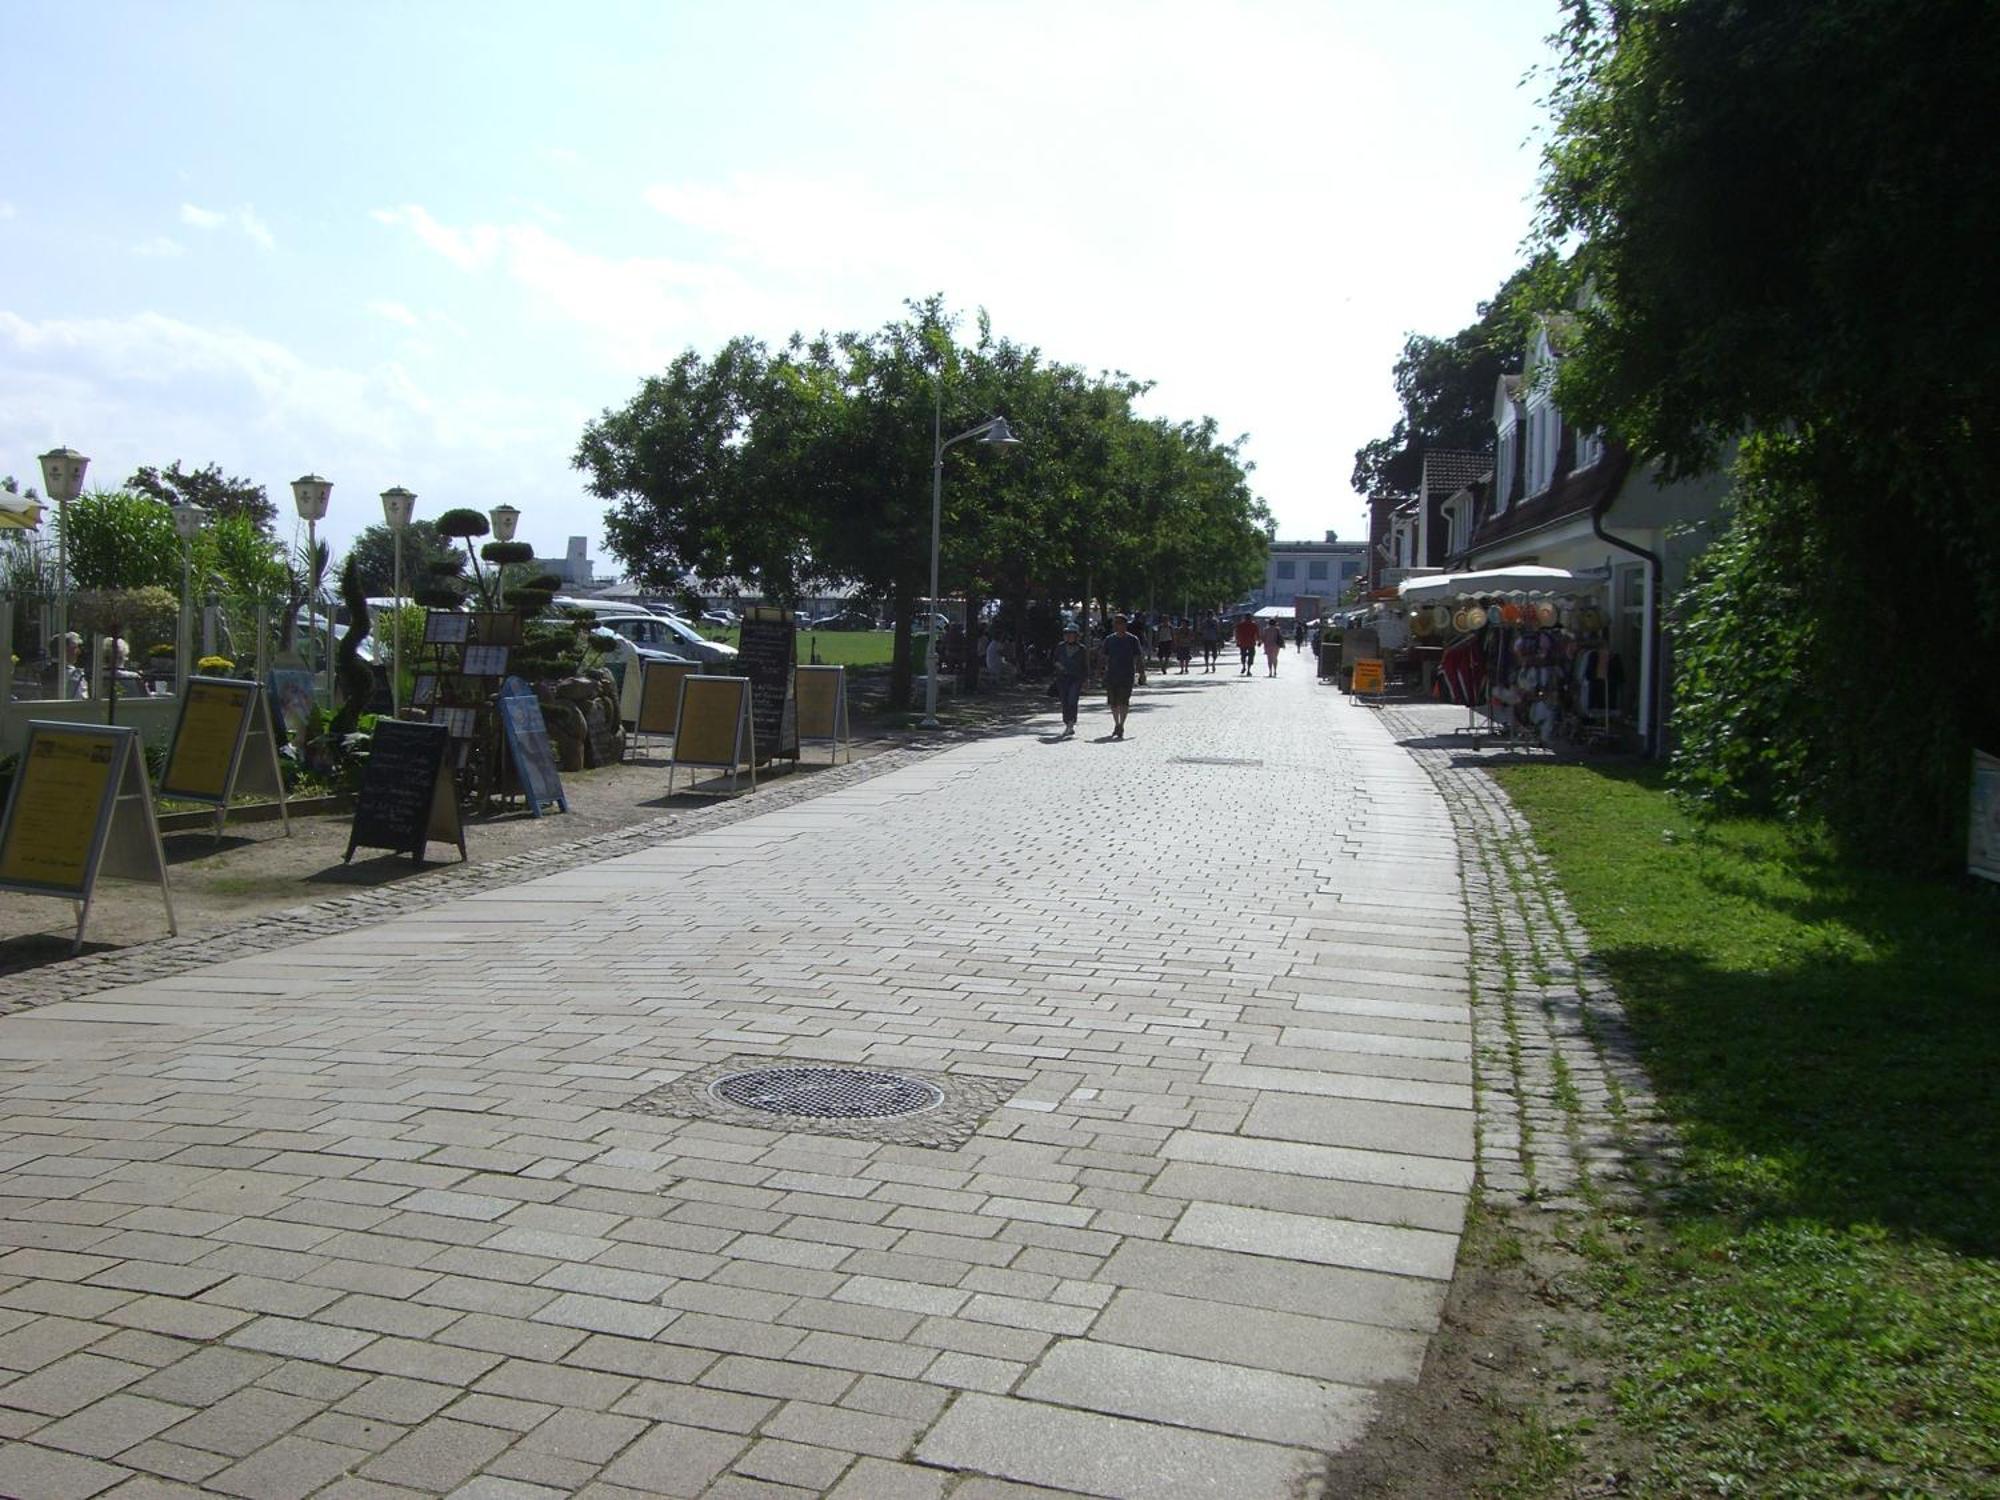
(210, 666)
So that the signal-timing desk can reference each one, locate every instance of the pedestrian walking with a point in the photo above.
(1299, 634)
(1124, 662)
(1184, 644)
(1274, 643)
(1163, 642)
(1246, 643)
(1071, 662)
(1211, 641)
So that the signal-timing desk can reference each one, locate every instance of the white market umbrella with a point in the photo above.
(19, 513)
(1526, 578)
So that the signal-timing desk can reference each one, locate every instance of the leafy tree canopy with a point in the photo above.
(1787, 212)
(208, 487)
(1446, 384)
(812, 464)
(425, 554)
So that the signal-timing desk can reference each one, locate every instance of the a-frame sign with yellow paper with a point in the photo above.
(660, 697)
(822, 700)
(81, 807)
(224, 748)
(713, 728)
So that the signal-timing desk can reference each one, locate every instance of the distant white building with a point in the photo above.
(1324, 569)
(574, 567)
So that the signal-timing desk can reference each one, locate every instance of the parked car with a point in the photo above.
(845, 619)
(694, 645)
(724, 619)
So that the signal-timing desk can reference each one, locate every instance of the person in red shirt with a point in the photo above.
(1246, 642)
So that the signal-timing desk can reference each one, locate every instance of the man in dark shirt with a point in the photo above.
(1124, 661)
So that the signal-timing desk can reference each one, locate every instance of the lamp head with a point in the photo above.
(997, 431)
(188, 521)
(504, 518)
(309, 494)
(398, 505)
(62, 474)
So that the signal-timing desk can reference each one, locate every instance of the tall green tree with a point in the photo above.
(215, 492)
(1446, 385)
(813, 463)
(424, 553)
(1787, 212)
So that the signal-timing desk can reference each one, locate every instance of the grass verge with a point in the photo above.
(1818, 1312)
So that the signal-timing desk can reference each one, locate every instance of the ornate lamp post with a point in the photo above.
(62, 480)
(188, 521)
(994, 430)
(397, 506)
(309, 494)
(504, 518)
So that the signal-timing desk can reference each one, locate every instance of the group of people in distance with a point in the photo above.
(1132, 639)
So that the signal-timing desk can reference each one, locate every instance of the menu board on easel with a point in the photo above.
(223, 746)
(713, 728)
(81, 807)
(766, 652)
(822, 708)
(526, 734)
(407, 798)
(660, 695)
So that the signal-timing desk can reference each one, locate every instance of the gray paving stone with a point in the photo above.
(1291, 1343)
(290, 1469)
(45, 1474)
(1319, 1240)
(438, 1456)
(1201, 1393)
(675, 1461)
(108, 1427)
(1109, 1456)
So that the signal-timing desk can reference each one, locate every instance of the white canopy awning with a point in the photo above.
(1526, 578)
(19, 512)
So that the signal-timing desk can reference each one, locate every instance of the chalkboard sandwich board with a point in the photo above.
(766, 652)
(407, 798)
(527, 736)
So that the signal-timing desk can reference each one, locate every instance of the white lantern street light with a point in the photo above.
(504, 518)
(310, 494)
(398, 505)
(62, 481)
(994, 430)
(188, 522)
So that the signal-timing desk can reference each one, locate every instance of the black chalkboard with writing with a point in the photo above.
(527, 735)
(765, 654)
(406, 798)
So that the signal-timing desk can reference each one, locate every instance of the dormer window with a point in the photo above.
(1589, 449)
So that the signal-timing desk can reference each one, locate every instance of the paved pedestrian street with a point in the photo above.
(375, 1215)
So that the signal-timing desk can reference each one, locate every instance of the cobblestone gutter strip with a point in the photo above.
(91, 973)
(1567, 1118)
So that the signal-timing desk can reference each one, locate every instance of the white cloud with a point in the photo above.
(159, 247)
(7, 209)
(244, 218)
(150, 388)
(255, 228)
(642, 309)
(394, 312)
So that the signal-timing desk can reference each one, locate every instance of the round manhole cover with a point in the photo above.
(827, 1093)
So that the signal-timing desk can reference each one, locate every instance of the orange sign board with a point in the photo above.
(1368, 676)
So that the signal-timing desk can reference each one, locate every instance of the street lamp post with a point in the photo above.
(994, 430)
(504, 518)
(62, 478)
(397, 506)
(309, 494)
(188, 521)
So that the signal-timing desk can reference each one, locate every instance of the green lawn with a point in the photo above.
(1819, 1312)
(842, 648)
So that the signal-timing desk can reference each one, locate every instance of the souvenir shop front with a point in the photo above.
(1529, 651)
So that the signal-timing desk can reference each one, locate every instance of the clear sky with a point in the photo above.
(423, 243)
